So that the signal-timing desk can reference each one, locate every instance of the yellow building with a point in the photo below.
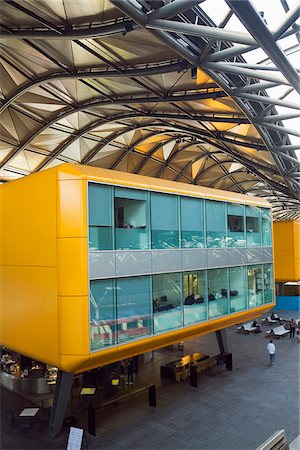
(287, 250)
(99, 265)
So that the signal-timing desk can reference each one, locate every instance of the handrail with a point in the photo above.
(275, 442)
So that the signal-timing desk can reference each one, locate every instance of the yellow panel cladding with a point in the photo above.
(28, 300)
(73, 319)
(71, 208)
(296, 227)
(286, 250)
(28, 212)
(72, 266)
(29, 311)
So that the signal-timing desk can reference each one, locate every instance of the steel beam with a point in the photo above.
(200, 31)
(265, 99)
(290, 18)
(232, 68)
(238, 50)
(256, 26)
(90, 74)
(172, 9)
(66, 34)
(254, 87)
(279, 128)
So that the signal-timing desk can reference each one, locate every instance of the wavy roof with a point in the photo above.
(202, 92)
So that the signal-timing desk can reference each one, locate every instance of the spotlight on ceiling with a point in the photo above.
(194, 73)
(183, 66)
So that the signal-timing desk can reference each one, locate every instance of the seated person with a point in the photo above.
(199, 299)
(275, 317)
(256, 325)
(190, 299)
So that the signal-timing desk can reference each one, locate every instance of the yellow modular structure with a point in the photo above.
(46, 266)
(287, 250)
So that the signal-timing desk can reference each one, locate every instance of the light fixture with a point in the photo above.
(194, 73)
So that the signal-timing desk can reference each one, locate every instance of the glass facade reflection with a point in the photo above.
(138, 306)
(217, 292)
(255, 286)
(195, 297)
(130, 308)
(164, 221)
(238, 294)
(167, 301)
(215, 224)
(133, 219)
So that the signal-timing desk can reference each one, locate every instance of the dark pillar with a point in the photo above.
(152, 395)
(229, 361)
(92, 421)
(61, 394)
(222, 340)
(193, 376)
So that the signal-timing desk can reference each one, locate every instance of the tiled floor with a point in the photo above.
(229, 410)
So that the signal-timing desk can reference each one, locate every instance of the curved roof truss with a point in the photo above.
(180, 89)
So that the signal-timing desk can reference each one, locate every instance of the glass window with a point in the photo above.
(266, 215)
(192, 232)
(167, 305)
(102, 314)
(100, 217)
(164, 221)
(238, 289)
(195, 298)
(131, 219)
(134, 309)
(235, 225)
(217, 292)
(215, 224)
(268, 283)
(253, 226)
(255, 288)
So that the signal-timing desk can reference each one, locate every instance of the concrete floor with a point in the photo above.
(235, 410)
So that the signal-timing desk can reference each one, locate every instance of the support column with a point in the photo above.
(222, 340)
(61, 394)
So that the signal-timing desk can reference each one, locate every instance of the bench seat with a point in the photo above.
(247, 328)
(278, 331)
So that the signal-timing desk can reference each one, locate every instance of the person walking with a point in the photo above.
(130, 368)
(271, 350)
(292, 328)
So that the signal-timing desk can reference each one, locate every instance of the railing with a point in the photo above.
(276, 442)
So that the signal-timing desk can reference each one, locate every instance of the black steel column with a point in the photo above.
(193, 376)
(222, 340)
(152, 395)
(61, 394)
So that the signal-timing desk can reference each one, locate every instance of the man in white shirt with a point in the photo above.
(271, 350)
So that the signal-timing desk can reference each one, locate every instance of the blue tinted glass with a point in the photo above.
(102, 314)
(192, 232)
(238, 292)
(253, 226)
(255, 286)
(100, 217)
(167, 301)
(131, 219)
(164, 221)
(235, 225)
(215, 224)
(100, 204)
(217, 292)
(195, 297)
(268, 283)
(134, 308)
(266, 215)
